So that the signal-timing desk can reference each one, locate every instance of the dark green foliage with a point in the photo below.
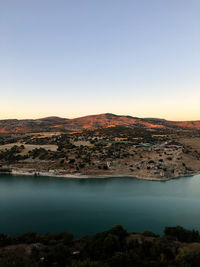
(28, 238)
(63, 237)
(12, 155)
(102, 245)
(41, 141)
(13, 261)
(169, 158)
(112, 248)
(63, 142)
(149, 233)
(188, 258)
(72, 161)
(88, 263)
(105, 167)
(151, 161)
(40, 153)
(58, 255)
(5, 240)
(182, 234)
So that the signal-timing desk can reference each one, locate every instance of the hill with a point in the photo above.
(51, 124)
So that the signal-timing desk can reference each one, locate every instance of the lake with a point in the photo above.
(86, 206)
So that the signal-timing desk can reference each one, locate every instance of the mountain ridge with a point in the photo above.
(104, 120)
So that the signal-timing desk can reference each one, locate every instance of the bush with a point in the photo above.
(29, 237)
(5, 240)
(188, 258)
(63, 237)
(105, 167)
(58, 255)
(182, 234)
(169, 158)
(149, 233)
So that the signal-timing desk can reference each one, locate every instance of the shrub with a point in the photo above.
(28, 238)
(182, 234)
(149, 233)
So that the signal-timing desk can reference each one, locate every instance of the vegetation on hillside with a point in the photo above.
(138, 152)
(115, 247)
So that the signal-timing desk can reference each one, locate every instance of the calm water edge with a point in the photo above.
(86, 206)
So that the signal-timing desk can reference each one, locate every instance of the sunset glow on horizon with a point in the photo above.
(78, 58)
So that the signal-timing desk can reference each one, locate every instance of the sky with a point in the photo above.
(71, 58)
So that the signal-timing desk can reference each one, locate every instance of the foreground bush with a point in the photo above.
(113, 248)
(182, 234)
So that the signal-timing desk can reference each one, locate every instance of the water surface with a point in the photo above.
(86, 206)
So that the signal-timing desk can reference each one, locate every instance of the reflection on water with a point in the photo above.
(85, 206)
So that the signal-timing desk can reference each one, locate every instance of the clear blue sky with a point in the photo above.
(77, 57)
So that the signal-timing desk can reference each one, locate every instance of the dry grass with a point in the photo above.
(83, 143)
(28, 147)
(193, 142)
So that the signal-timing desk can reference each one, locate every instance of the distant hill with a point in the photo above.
(53, 119)
(50, 124)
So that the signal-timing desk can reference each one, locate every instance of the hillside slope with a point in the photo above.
(91, 122)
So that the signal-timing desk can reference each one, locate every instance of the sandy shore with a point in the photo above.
(98, 176)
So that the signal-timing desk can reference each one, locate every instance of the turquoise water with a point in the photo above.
(86, 206)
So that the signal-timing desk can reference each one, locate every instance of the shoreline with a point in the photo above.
(90, 176)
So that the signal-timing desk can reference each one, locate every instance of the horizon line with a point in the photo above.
(97, 114)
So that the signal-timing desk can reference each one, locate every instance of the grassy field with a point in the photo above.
(28, 147)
